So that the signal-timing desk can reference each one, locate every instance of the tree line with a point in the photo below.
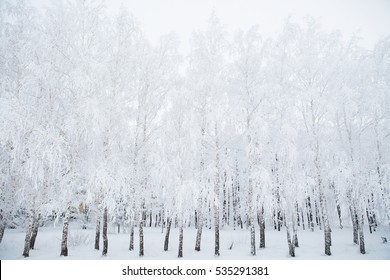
(243, 131)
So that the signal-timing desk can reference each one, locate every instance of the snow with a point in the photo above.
(81, 245)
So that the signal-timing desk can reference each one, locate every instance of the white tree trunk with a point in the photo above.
(180, 253)
(65, 231)
(27, 239)
(105, 237)
(97, 234)
(166, 242)
(35, 230)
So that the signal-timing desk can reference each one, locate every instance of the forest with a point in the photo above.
(243, 132)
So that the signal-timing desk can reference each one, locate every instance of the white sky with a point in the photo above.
(157, 17)
(371, 17)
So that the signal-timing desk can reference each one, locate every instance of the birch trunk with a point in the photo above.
(310, 221)
(290, 242)
(166, 242)
(97, 235)
(339, 215)
(3, 225)
(216, 194)
(27, 239)
(262, 227)
(34, 231)
(131, 245)
(199, 231)
(361, 236)
(180, 253)
(141, 234)
(324, 210)
(327, 231)
(295, 235)
(105, 238)
(251, 219)
(354, 218)
(200, 218)
(253, 237)
(65, 232)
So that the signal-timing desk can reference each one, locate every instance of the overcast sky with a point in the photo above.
(370, 17)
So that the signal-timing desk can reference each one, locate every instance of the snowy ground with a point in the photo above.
(81, 244)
